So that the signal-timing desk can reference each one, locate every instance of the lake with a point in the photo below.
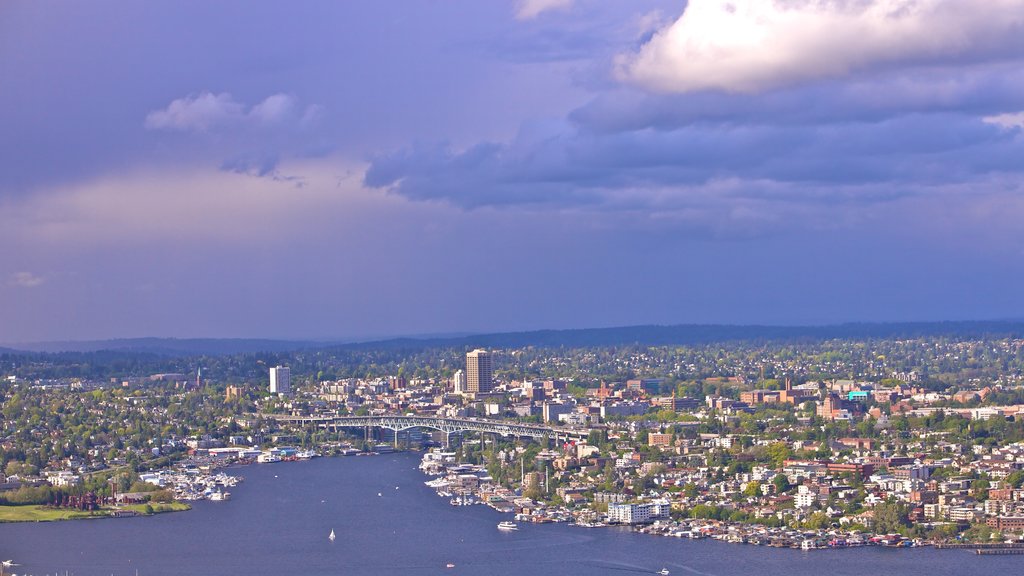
(278, 521)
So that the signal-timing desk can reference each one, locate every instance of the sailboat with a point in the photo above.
(331, 537)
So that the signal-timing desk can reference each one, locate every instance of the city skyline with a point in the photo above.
(352, 171)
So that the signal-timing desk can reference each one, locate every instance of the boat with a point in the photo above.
(663, 572)
(220, 496)
(449, 565)
(332, 536)
(507, 525)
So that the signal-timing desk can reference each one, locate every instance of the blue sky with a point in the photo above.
(359, 169)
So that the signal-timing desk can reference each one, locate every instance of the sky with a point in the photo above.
(365, 169)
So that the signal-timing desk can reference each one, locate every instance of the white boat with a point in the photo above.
(220, 496)
(506, 525)
(331, 537)
(663, 572)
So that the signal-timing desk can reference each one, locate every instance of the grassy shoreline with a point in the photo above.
(38, 513)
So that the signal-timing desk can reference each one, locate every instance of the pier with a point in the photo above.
(989, 547)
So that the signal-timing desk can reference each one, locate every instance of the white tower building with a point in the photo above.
(281, 380)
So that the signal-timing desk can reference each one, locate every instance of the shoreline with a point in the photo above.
(697, 529)
(44, 513)
(688, 528)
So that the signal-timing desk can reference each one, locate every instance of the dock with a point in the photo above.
(980, 546)
(999, 551)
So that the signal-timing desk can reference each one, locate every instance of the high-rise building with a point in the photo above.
(459, 381)
(479, 371)
(281, 380)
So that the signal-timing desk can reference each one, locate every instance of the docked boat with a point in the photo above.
(506, 525)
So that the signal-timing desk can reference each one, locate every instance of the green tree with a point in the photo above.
(891, 516)
(781, 483)
(778, 452)
(752, 489)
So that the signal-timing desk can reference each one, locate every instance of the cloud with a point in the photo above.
(1008, 121)
(207, 111)
(180, 204)
(197, 113)
(984, 90)
(26, 280)
(574, 164)
(529, 9)
(756, 45)
(275, 108)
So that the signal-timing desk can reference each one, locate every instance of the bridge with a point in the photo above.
(398, 423)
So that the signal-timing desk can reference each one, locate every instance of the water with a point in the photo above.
(279, 519)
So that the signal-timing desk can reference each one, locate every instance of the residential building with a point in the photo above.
(641, 513)
(280, 380)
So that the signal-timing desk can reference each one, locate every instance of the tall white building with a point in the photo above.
(281, 380)
(459, 381)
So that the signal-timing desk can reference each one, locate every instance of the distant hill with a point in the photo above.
(173, 346)
(651, 335)
(655, 335)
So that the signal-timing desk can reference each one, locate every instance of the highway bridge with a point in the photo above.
(398, 423)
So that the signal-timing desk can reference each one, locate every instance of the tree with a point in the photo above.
(890, 516)
(690, 490)
(781, 483)
(1016, 479)
(752, 489)
(777, 453)
(817, 521)
(979, 489)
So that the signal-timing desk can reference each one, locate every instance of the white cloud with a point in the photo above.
(196, 113)
(529, 9)
(752, 45)
(1006, 121)
(26, 279)
(188, 204)
(206, 111)
(276, 108)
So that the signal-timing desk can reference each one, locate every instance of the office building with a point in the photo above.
(479, 372)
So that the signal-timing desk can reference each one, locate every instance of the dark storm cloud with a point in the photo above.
(909, 153)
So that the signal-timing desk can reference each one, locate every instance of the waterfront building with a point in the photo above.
(280, 380)
(640, 513)
(479, 371)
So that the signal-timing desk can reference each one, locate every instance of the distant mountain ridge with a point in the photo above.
(652, 335)
(173, 346)
(684, 334)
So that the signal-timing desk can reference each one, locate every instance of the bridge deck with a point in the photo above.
(447, 425)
